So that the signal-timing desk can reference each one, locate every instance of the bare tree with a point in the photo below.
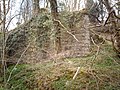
(0, 17)
(0, 12)
(36, 7)
(112, 18)
(75, 4)
(26, 10)
(3, 66)
(101, 9)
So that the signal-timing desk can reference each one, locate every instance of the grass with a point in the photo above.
(104, 74)
(18, 78)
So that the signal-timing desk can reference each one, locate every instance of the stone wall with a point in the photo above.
(42, 49)
(81, 47)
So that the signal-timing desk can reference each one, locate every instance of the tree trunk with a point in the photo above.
(79, 4)
(0, 12)
(3, 66)
(0, 19)
(75, 5)
(27, 11)
(101, 9)
(36, 7)
(54, 12)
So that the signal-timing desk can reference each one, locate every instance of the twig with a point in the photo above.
(17, 63)
(98, 49)
(104, 39)
(109, 57)
(66, 30)
(95, 79)
(76, 73)
(11, 20)
(73, 36)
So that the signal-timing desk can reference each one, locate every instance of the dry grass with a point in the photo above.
(103, 74)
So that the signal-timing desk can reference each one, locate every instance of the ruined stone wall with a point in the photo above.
(40, 47)
(81, 47)
(70, 46)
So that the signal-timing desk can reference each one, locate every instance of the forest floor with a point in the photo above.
(98, 71)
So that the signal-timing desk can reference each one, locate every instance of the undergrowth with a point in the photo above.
(102, 73)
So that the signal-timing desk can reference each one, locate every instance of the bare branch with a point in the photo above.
(11, 20)
(78, 69)
(67, 30)
(17, 63)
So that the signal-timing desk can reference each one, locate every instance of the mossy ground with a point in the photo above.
(100, 72)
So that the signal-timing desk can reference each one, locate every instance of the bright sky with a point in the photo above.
(15, 9)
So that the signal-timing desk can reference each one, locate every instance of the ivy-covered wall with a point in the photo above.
(38, 34)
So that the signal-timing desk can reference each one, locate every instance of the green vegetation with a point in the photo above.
(18, 78)
(102, 73)
(39, 54)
